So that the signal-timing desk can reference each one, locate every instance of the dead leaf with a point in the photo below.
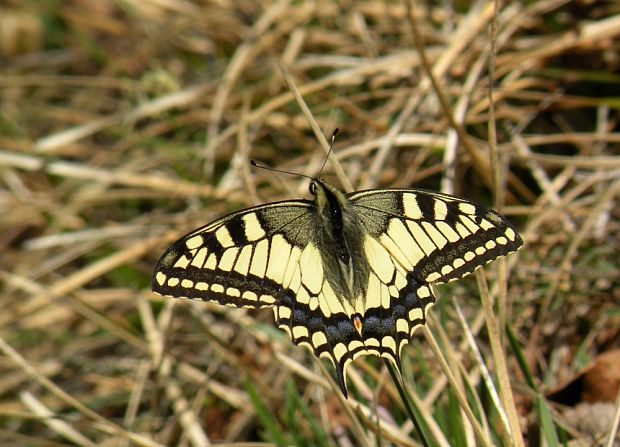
(599, 382)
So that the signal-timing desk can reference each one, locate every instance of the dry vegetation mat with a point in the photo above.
(123, 125)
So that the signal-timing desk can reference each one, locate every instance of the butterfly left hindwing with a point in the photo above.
(347, 275)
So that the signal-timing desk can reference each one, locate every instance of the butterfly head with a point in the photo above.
(313, 187)
(327, 198)
(319, 190)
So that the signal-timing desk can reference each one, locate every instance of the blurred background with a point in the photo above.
(125, 124)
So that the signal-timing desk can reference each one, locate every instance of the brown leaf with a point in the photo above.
(602, 379)
(599, 382)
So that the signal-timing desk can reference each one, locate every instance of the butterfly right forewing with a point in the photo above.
(441, 237)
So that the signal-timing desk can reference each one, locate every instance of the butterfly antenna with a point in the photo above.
(268, 168)
(331, 146)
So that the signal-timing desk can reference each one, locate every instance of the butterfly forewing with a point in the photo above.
(237, 260)
(435, 236)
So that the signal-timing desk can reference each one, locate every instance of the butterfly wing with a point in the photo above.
(238, 260)
(436, 237)
(414, 238)
(264, 256)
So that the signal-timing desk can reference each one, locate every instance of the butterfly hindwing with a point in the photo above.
(390, 311)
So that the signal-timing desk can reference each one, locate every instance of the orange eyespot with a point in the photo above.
(357, 322)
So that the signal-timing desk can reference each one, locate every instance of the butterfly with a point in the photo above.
(347, 275)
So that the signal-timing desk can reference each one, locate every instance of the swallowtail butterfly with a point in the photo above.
(347, 275)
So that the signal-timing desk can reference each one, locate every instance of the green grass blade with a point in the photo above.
(547, 427)
(516, 349)
(264, 416)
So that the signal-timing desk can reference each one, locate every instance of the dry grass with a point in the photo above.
(125, 124)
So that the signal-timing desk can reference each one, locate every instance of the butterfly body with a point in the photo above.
(346, 274)
(337, 233)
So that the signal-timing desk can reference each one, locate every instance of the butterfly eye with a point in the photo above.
(312, 188)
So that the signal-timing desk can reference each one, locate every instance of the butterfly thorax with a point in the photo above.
(339, 236)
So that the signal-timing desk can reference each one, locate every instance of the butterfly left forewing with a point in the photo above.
(238, 260)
